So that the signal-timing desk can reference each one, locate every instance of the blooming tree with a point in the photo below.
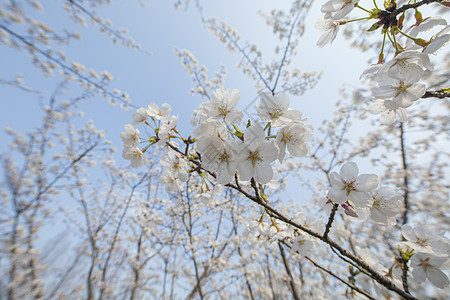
(204, 214)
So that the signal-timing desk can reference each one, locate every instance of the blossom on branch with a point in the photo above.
(130, 137)
(294, 136)
(428, 266)
(386, 204)
(135, 155)
(275, 109)
(330, 30)
(390, 111)
(162, 113)
(256, 155)
(347, 185)
(140, 116)
(222, 106)
(401, 85)
(337, 9)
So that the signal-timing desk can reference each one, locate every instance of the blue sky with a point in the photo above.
(160, 77)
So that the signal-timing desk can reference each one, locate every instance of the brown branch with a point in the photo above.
(404, 273)
(405, 177)
(414, 5)
(330, 221)
(352, 286)
(441, 94)
(288, 271)
(274, 213)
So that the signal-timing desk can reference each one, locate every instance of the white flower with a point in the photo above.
(302, 244)
(406, 60)
(258, 230)
(347, 185)
(428, 266)
(221, 156)
(172, 183)
(211, 129)
(401, 85)
(438, 41)
(257, 154)
(218, 153)
(390, 111)
(130, 137)
(426, 25)
(337, 9)
(294, 136)
(140, 117)
(162, 113)
(135, 155)
(423, 239)
(330, 30)
(176, 165)
(221, 106)
(371, 70)
(166, 128)
(275, 109)
(386, 204)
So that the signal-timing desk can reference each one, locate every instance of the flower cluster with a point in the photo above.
(361, 195)
(262, 231)
(221, 148)
(397, 80)
(163, 125)
(430, 254)
(248, 153)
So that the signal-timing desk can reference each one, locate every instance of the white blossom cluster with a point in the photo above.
(163, 124)
(361, 196)
(397, 80)
(250, 153)
(223, 148)
(431, 253)
(263, 232)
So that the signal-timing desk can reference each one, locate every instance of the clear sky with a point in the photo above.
(160, 77)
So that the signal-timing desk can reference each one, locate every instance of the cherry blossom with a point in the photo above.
(422, 238)
(337, 9)
(140, 116)
(222, 106)
(389, 110)
(347, 185)
(428, 266)
(171, 182)
(407, 59)
(256, 156)
(329, 28)
(220, 156)
(401, 85)
(166, 128)
(386, 204)
(294, 136)
(176, 164)
(135, 155)
(130, 137)
(162, 113)
(275, 109)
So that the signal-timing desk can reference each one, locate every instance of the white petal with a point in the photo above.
(349, 171)
(419, 274)
(336, 180)
(337, 195)
(367, 182)
(437, 278)
(245, 170)
(263, 173)
(254, 137)
(268, 151)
